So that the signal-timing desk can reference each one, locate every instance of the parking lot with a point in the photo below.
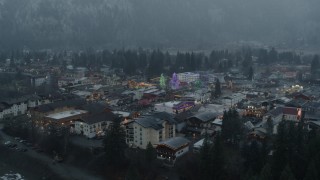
(65, 171)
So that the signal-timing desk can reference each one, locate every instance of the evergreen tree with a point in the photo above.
(142, 60)
(193, 64)
(253, 157)
(312, 172)
(287, 174)
(266, 173)
(167, 59)
(114, 144)
(132, 173)
(263, 56)
(231, 126)
(163, 82)
(247, 63)
(269, 126)
(217, 88)
(315, 65)
(250, 73)
(150, 153)
(299, 76)
(213, 59)
(205, 160)
(280, 151)
(273, 55)
(217, 159)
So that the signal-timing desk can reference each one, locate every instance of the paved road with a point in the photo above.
(63, 170)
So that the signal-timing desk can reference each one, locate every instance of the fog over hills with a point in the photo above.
(157, 23)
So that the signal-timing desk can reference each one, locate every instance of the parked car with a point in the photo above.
(12, 145)
(22, 149)
(22, 141)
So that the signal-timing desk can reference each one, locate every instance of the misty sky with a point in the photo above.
(157, 23)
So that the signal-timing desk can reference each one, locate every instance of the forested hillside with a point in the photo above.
(157, 23)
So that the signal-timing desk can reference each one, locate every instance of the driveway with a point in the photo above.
(63, 170)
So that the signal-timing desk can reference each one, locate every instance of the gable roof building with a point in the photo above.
(153, 128)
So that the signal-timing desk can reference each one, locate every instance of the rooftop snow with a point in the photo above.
(66, 114)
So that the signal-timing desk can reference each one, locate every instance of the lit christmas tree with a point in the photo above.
(174, 81)
(162, 81)
(198, 84)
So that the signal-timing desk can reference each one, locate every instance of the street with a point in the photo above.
(65, 171)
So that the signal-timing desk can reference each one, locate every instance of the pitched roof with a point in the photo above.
(68, 103)
(175, 143)
(150, 122)
(289, 111)
(183, 116)
(312, 105)
(205, 116)
(99, 117)
(275, 112)
(11, 101)
(94, 108)
(283, 110)
(165, 116)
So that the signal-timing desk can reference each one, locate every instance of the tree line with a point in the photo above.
(293, 153)
(154, 62)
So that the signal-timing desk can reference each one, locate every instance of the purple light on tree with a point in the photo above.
(174, 81)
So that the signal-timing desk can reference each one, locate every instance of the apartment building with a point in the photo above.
(18, 106)
(153, 128)
(92, 125)
(188, 77)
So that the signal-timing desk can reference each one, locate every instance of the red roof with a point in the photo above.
(144, 102)
(301, 96)
(290, 111)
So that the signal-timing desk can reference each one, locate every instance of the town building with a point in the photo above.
(92, 125)
(154, 129)
(37, 81)
(188, 77)
(18, 106)
(174, 107)
(201, 123)
(63, 117)
(282, 113)
(171, 149)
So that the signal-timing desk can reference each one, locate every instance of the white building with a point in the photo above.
(37, 81)
(19, 106)
(94, 125)
(172, 149)
(154, 129)
(282, 113)
(233, 99)
(200, 96)
(166, 106)
(188, 77)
